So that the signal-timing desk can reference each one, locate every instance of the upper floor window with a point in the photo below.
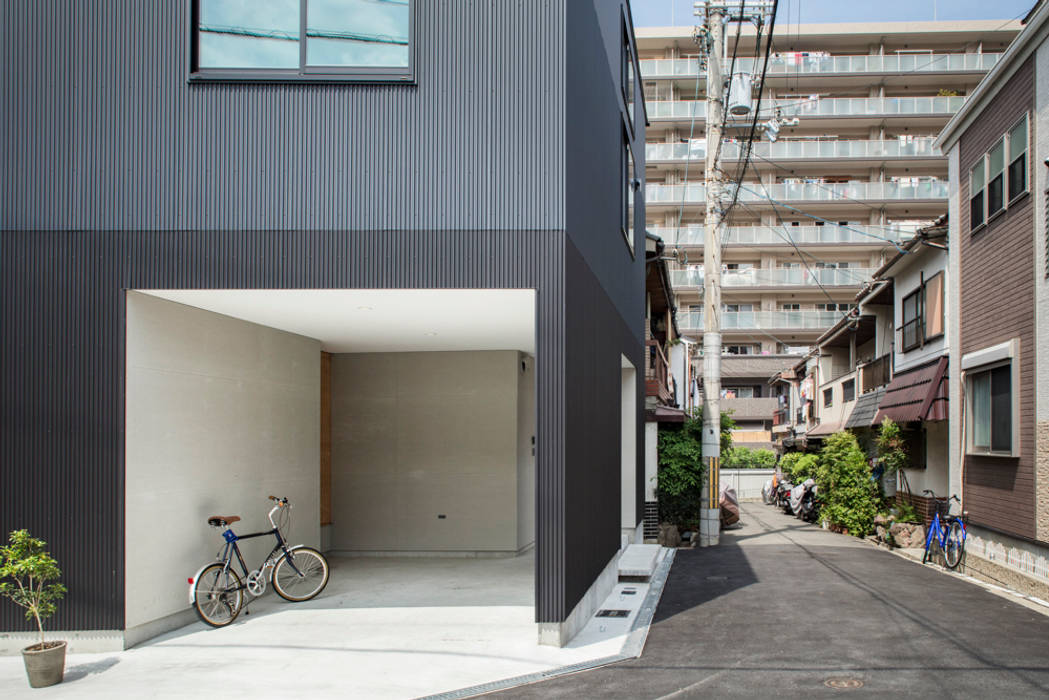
(999, 176)
(326, 40)
(1018, 159)
(923, 313)
(629, 187)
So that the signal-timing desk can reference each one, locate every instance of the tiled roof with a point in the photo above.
(865, 409)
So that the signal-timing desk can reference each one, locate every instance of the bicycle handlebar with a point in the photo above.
(279, 501)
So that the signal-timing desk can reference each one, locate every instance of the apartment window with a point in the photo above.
(790, 307)
(912, 318)
(1018, 159)
(323, 40)
(996, 179)
(828, 397)
(848, 391)
(739, 350)
(992, 400)
(736, 308)
(834, 307)
(739, 392)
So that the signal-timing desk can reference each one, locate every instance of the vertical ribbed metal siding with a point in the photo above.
(61, 416)
(102, 131)
(62, 369)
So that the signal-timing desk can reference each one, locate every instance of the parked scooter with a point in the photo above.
(796, 494)
(783, 490)
(810, 503)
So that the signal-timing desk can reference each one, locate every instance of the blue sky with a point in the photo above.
(659, 13)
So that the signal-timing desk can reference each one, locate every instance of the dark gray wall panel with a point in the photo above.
(107, 134)
(595, 339)
(62, 355)
(596, 119)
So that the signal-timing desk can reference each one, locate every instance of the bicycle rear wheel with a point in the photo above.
(932, 545)
(218, 595)
(955, 547)
(313, 568)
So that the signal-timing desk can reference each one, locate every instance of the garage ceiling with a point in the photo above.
(380, 320)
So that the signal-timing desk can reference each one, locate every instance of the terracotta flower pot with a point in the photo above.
(45, 666)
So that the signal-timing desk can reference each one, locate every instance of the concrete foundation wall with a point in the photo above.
(220, 413)
(421, 435)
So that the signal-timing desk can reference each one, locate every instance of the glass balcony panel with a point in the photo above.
(765, 320)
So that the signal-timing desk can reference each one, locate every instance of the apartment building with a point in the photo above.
(825, 204)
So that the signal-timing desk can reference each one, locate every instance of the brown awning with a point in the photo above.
(824, 429)
(919, 394)
(664, 414)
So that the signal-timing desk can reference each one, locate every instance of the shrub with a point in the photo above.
(25, 571)
(850, 497)
(799, 466)
(679, 482)
(891, 447)
(746, 458)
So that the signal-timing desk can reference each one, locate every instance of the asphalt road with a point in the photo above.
(781, 608)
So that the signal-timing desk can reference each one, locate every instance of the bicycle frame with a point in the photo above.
(231, 547)
(939, 529)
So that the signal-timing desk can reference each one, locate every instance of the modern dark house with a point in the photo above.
(386, 259)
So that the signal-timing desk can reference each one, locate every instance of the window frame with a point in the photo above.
(925, 307)
(984, 160)
(845, 397)
(828, 397)
(918, 320)
(984, 361)
(304, 73)
(1009, 160)
(628, 193)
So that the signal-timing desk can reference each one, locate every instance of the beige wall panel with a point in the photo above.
(419, 435)
(220, 414)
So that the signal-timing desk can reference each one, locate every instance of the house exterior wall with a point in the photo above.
(906, 279)
(1040, 192)
(997, 303)
(111, 136)
(419, 435)
(455, 181)
(220, 414)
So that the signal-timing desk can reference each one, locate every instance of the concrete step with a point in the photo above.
(639, 561)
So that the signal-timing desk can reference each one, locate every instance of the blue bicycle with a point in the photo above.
(298, 572)
(946, 532)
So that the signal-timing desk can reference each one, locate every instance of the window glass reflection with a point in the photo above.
(357, 33)
(248, 34)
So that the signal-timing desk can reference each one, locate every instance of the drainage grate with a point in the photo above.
(843, 683)
(612, 613)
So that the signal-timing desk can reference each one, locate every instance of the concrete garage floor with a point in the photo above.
(383, 628)
(784, 609)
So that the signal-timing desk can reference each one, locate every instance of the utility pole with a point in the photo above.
(710, 513)
(711, 37)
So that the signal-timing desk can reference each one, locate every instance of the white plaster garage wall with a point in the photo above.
(418, 435)
(220, 414)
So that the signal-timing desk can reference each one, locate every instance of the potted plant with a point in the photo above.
(29, 577)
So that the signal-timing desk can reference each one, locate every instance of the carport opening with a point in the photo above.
(400, 423)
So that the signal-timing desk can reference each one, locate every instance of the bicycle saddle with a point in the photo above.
(222, 520)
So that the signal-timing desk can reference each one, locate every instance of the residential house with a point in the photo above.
(240, 258)
(998, 151)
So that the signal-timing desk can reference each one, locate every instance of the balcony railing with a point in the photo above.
(781, 417)
(766, 320)
(804, 192)
(669, 68)
(788, 277)
(876, 373)
(826, 107)
(776, 235)
(796, 150)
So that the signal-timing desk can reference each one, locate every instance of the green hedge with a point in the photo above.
(746, 458)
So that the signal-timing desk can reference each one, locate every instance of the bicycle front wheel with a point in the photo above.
(307, 582)
(218, 595)
(952, 553)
